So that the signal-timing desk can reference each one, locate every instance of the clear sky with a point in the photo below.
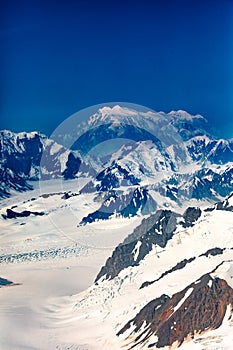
(58, 57)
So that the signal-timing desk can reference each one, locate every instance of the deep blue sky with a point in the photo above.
(58, 57)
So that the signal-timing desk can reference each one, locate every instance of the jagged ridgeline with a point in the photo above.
(178, 269)
(147, 172)
(153, 231)
(198, 308)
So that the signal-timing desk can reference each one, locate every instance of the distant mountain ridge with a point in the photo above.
(168, 158)
(32, 156)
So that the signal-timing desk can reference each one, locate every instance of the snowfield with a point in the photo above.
(54, 261)
(49, 257)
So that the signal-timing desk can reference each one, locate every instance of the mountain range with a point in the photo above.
(158, 189)
(163, 160)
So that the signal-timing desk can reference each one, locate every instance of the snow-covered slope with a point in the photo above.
(176, 290)
(182, 261)
(157, 123)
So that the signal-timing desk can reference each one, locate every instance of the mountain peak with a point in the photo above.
(181, 114)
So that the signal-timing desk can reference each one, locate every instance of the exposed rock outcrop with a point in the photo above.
(5, 282)
(191, 215)
(180, 265)
(155, 230)
(125, 205)
(226, 205)
(198, 308)
(33, 156)
(11, 214)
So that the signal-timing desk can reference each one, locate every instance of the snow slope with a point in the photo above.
(107, 306)
(52, 260)
(48, 257)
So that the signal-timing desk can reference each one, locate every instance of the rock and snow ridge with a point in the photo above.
(154, 231)
(171, 157)
(170, 257)
(182, 261)
(168, 293)
(32, 156)
(198, 308)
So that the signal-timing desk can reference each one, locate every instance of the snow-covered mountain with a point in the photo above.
(32, 156)
(135, 202)
(169, 284)
(148, 219)
(173, 154)
(203, 148)
(168, 158)
(171, 176)
(162, 125)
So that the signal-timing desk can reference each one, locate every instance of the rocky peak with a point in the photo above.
(32, 156)
(191, 215)
(136, 201)
(4, 282)
(226, 205)
(155, 230)
(199, 307)
(115, 176)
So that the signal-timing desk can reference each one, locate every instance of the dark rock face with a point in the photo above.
(9, 180)
(214, 151)
(4, 282)
(220, 151)
(155, 230)
(222, 183)
(72, 167)
(17, 156)
(125, 205)
(170, 192)
(180, 265)
(11, 214)
(68, 195)
(196, 187)
(224, 205)
(198, 308)
(213, 252)
(30, 156)
(191, 215)
(114, 201)
(22, 152)
(113, 177)
(204, 183)
(148, 313)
